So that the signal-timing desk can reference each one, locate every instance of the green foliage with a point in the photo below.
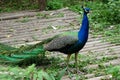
(76, 8)
(61, 74)
(102, 12)
(108, 12)
(105, 1)
(71, 2)
(115, 71)
(29, 73)
(105, 20)
(114, 11)
(54, 4)
(15, 5)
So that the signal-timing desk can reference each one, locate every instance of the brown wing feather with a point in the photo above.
(60, 42)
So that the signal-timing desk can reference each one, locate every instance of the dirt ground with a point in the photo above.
(30, 27)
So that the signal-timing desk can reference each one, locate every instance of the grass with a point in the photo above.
(31, 72)
(115, 71)
(109, 34)
(57, 68)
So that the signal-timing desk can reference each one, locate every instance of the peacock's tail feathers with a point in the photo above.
(17, 55)
(4, 48)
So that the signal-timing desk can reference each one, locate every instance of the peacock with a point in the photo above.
(69, 43)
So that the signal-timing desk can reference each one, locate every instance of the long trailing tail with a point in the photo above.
(24, 54)
(10, 54)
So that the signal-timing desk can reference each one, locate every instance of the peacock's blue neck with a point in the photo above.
(84, 30)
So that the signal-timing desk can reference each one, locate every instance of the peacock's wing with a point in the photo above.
(68, 33)
(60, 42)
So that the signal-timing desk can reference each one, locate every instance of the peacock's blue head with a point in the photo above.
(86, 10)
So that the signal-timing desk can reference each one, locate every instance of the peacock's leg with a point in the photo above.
(68, 58)
(76, 61)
